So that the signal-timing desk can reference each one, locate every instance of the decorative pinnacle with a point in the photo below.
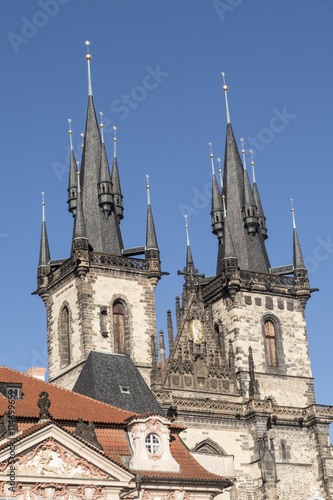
(220, 172)
(225, 89)
(78, 182)
(70, 133)
(102, 126)
(243, 153)
(293, 212)
(88, 58)
(43, 207)
(252, 163)
(114, 141)
(186, 227)
(211, 156)
(148, 193)
(224, 209)
(82, 145)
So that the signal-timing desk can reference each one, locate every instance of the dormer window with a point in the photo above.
(153, 444)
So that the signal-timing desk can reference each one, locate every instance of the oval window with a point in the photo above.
(153, 444)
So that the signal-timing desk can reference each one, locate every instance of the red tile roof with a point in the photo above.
(65, 404)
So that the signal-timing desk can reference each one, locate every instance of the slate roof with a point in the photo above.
(104, 374)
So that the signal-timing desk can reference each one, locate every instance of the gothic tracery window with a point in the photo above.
(119, 328)
(270, 336)
(64, 337)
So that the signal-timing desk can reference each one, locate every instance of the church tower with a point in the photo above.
(102, 296)
(238, 375)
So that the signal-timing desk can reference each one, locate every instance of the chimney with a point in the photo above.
(36, 372)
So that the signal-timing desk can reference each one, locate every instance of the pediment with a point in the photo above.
(54, 453)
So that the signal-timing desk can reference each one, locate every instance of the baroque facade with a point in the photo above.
(238, 373)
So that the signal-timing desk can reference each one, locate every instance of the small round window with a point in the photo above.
(153, 444)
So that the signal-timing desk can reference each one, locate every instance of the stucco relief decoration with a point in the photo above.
(49, 459)
(90, 492)
(180, 494)
(49, 490)
(19, 493)
(155, 425)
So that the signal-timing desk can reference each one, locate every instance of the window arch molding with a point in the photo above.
(65, 334)
(280, 358)
(209, 447)
(120, 326)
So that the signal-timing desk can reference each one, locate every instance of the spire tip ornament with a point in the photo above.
(102, 126)
(148, 193)
(88, 59)
(211, 156)
(186, 228)
(225, 89)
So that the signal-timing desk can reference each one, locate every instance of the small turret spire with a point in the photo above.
(44, 253)
(151, 240)
(79, 225)
(88, 58)
(102, 127)
(117, 195)
(217, 209)
(72, 182)
(189, 259)
(257, 201)
(220, 172)
(225, 90)
(298, 257)
(243, 153)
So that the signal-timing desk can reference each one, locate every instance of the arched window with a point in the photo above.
(64, 337)
(209, 447)
(270, 337)
(119, 328)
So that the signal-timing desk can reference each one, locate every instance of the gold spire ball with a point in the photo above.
(88, 55)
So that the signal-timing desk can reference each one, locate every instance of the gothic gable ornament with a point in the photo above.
(196, 331)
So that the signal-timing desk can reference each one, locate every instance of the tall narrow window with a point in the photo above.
(119, 328)
(270, 343)
(283, 450)
(64, 337)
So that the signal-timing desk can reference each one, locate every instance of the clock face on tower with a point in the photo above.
(196, 333)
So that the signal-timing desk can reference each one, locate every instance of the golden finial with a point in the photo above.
(82, 145)
(186, 228)
(43, 207)
(114, 141)
(225, 88)
(77, 165)
(220, 172)
(148, 193)
(211, 156)
(252, 163)
(243, 153)
(70, 132)
(102, 126)
(88, 55)
(293, 212)
(224, 209)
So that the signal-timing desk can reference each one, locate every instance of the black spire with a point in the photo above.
(118, 197)
(44, 253)
(257, 201)
(298, 257)
(105, 197)
(217, 208)
(102, 232)
(79, 224)
(151, 240)
(72, 182)
(251, 222)
(249, 248)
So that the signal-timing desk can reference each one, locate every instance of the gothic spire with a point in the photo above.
(105, 197)
(151, 240)
(257, 201)
(217, 208)
(118, 197)
(79, 225)
(189, 259)
(249, 248)
(72, 183)
(249, 207)
(102, 232)
(298, 257)
(44, 253)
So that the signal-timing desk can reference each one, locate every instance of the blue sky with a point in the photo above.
(277, 57)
